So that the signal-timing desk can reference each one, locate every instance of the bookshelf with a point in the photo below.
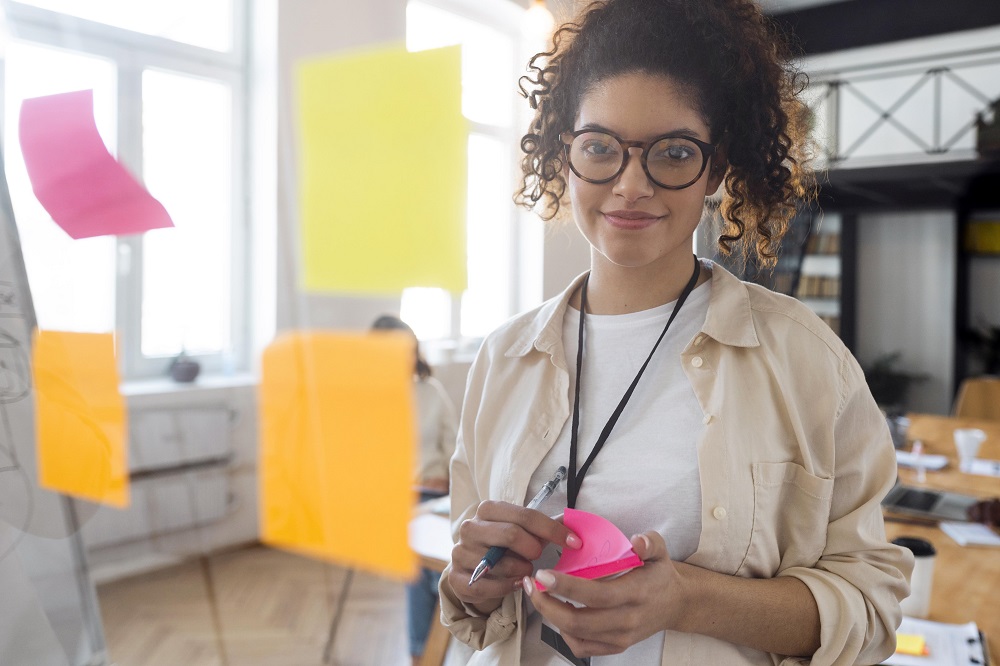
(816, 264)
(819, 280)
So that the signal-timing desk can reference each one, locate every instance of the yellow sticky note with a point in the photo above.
(911, 644)
(80, 417)
(337, 437)
(383, 154)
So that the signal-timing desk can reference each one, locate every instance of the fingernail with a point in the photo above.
(546, 578)
(646, 542)
(528, 586)
(573, 541)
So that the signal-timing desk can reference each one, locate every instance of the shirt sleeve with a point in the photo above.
(860, 578)
(466, 623)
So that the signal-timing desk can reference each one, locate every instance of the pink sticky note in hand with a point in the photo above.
(605, 552)
(78, 182)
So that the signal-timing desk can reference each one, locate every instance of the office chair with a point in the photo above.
(978, 397)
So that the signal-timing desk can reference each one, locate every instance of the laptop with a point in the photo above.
(927, 504)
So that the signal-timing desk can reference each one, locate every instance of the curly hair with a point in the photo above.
(736, 65)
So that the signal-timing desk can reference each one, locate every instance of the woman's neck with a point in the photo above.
(614, 290)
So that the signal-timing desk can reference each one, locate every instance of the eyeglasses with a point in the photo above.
(671, 161)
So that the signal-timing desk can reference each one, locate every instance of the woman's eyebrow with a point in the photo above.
(686, 131)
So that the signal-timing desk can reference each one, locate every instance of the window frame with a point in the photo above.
(133, 53)
(506, 17)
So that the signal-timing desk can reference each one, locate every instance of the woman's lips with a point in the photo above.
(630, 219)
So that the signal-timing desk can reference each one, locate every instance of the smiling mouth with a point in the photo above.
(630, 219)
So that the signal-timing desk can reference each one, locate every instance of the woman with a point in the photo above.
(725, 426)
(436, 423)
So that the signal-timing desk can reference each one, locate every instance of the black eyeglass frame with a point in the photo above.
(707, 151)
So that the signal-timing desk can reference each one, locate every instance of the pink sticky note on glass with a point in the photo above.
(81, 185)
(605, 552)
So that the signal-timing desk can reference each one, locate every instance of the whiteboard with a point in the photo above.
(48, 613)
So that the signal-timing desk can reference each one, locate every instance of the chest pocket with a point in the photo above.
(790, 515)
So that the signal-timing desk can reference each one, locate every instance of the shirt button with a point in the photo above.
(708, 419)
(697, 362)
(700, 339)
(719, 512)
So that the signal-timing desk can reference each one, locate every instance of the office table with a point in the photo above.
(966, 579)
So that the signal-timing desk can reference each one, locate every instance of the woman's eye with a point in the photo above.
(678, 153)
(598, 149)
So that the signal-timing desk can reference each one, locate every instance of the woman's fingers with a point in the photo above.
(650, 546)
(523, 532)
(533, 521)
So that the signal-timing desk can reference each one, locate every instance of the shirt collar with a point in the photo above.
(544, 331)
(729, 319)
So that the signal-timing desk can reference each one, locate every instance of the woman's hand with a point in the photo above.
(523, 532)
(618, 613)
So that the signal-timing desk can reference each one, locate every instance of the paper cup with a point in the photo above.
(918, 604)
(967, 441)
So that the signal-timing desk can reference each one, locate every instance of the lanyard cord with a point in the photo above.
(575, 479)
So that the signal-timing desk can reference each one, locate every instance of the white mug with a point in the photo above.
(918, 604)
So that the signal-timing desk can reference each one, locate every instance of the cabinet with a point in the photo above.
(178, 460)
(816, 264)
(977, 270)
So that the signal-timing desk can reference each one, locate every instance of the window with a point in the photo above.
(503, 243)
(169, 103)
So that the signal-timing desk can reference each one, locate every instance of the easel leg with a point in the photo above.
(345, 590)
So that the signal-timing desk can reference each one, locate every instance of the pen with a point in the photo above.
(494, 554)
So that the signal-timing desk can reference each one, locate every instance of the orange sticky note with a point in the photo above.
(337, 433)
(80, 417)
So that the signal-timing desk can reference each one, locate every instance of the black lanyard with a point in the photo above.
(575, 479)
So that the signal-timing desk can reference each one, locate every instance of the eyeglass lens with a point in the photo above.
(671, 161)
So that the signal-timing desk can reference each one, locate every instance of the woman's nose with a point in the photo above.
(633, 184)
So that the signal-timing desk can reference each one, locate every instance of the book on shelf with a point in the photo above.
(818, 286)
(823, 244)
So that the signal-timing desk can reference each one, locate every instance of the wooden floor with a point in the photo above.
(252, 607)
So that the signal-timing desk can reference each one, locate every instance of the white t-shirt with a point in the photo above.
(646, 475)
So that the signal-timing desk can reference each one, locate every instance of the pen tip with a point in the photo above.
(480, 569)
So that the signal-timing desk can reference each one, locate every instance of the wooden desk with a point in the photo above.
(966, 580)
(430, 539)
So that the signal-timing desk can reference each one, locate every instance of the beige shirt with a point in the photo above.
(794, 460)
(436, 423)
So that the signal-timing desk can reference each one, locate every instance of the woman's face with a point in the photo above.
(629, 221)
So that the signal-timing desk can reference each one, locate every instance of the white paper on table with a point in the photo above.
(948, 644)
(927, 461)
(971, 534)
(985, 467)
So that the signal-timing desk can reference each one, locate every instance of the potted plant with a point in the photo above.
(890, 385)
(984, 344)
(988, 133)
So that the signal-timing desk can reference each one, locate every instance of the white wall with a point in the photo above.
(566, 255)
(906, 298)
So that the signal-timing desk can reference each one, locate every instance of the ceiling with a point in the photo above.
(777, 6)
